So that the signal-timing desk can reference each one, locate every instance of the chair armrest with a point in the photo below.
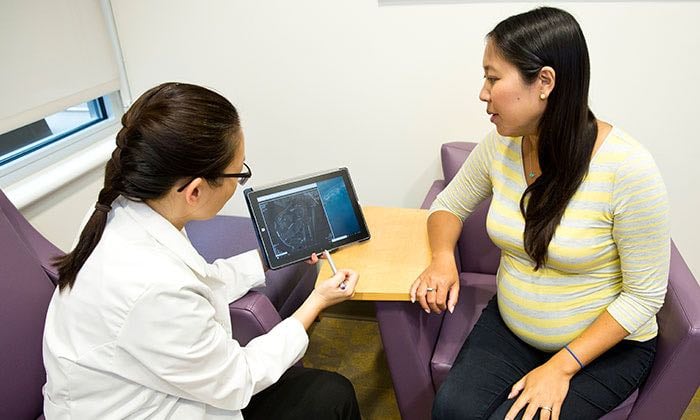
(475, 291)
(251, 316)
(675, 374)
(288, 287)
(409, 336)
(47, 252)
(44, 250)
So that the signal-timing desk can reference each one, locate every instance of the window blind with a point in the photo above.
(53, 54)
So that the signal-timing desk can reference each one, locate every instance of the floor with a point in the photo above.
(346, 339)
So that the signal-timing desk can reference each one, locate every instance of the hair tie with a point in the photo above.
(104, 208)
(574, 356)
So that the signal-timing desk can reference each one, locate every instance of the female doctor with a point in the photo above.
(139, 326)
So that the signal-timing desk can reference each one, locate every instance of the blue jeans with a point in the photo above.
(493, 359)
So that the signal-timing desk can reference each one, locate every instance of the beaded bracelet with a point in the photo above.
(574, 356)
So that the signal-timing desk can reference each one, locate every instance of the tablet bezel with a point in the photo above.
(252, 195)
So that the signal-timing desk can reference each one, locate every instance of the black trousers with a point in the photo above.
(304, 393)
(493, 359)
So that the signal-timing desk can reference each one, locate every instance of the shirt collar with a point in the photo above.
(164, 233)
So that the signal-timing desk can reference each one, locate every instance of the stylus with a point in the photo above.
(332, 265)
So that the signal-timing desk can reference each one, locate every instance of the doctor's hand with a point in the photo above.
(333, 290)
(437, 287)
(313, 259)
(338, 288)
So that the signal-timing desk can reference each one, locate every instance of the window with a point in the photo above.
(75, 139)
(61, 125)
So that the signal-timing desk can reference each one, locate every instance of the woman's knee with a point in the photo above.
(452, 402)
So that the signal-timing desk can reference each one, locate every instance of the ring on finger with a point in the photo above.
(429, 289)
(547, 408)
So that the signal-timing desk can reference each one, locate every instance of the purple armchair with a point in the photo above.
(421, 348)
(27, 281)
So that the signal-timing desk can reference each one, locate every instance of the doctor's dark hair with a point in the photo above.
(567, 130)
(174, 131)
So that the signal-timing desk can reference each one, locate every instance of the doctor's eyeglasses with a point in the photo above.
(243, 177)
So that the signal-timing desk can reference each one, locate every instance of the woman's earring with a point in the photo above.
(543, 96)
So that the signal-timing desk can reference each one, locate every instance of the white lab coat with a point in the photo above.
(145, 332)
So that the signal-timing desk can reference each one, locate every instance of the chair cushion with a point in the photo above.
(475, 292)
(622, 411)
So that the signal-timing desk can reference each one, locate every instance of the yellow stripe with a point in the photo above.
(514, 234)
(556, 306)
(569, 267)
(660, 204)
(653, 236)
(592, 196)
(586, 316)
(506, 190)
(507, 213)
(644, 200)
(634, 175)
(584, 214)
(600, 177)
(508, 313)
(578, 233)
(564, 288)
(509, 173)
(611, 157)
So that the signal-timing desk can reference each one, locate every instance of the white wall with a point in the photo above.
(59, 215)
(324, 83)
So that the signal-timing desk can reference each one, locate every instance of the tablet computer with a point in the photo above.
(294, 218)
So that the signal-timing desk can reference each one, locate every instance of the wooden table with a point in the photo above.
(390, 261)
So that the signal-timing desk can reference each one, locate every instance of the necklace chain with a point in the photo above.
(531, 173)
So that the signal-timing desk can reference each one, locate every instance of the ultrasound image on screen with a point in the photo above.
(296, 221)
(338, 208)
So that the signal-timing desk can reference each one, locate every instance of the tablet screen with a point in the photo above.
(295, 218)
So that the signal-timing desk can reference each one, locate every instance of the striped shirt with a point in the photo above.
(611, 250)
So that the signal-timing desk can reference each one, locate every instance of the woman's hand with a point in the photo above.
(543, 388)
(437, 288)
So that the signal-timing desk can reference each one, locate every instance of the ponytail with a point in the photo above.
(69, 264)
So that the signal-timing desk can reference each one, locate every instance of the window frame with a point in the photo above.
(65, 146)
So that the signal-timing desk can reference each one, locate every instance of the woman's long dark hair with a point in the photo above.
(173, 131)
(567, 130)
